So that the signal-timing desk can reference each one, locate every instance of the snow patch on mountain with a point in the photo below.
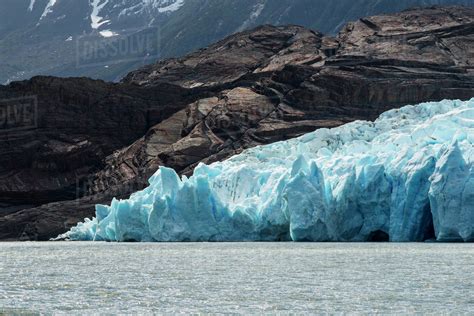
(48, 9)
(171, 7)
(31, 6)
(159, 6)
(256, 12)
(108, 33)
(96, 20)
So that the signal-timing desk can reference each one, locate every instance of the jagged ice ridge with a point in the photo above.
(408, 176)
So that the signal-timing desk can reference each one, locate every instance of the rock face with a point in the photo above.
(96, 140)
(78, 123)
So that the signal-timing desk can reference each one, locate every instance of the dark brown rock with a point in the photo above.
(266, 48)
(79, 122)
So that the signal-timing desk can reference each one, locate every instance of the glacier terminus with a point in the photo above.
(408, 176)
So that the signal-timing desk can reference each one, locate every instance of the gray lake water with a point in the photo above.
(245, 278)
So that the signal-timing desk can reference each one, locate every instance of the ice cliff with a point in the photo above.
(408, 176)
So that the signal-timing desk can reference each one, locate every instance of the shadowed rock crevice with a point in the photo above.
(378, 236)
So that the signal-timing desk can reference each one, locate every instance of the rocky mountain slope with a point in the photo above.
(96, 140)
(99, 38)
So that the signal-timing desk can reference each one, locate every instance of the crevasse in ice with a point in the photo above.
(408, 176)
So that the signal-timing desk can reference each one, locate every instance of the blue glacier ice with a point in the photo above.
(408, 176)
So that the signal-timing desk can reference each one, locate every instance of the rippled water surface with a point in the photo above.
(240, 277)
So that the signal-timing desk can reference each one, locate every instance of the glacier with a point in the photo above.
(408, 176)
